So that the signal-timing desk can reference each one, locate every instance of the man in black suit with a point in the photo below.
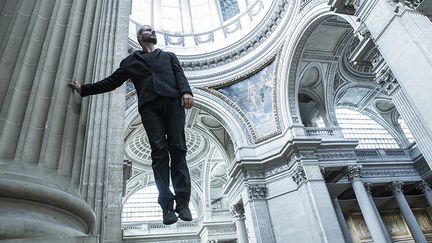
(163, 93)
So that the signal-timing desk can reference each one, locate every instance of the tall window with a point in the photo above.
(367, 131)
(171, 16)
(406, 130)
(142, 206)
(201, 15)
(229, 8)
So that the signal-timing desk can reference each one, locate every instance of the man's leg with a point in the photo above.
(175, 120)
(154, 125)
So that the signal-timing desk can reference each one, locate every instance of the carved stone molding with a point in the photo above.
(256, 192)
(386, 80)
(354, 172)
(380, 173)
(395, 187)
(299, 175)
(238, 211)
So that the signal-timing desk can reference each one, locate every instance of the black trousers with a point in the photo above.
(163, 121)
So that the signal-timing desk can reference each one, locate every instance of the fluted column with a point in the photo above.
(366, 207)
(342, 221)
(239, 220)
(44, 126)
(427, 191)
(414, 227)
(368, 187)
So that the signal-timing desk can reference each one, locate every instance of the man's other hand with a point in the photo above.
(76, 86)
(187, 100)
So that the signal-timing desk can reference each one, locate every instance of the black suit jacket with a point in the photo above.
(153, 74)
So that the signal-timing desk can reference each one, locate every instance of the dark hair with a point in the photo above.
(141, 29)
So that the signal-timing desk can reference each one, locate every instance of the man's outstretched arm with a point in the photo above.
(110, 83)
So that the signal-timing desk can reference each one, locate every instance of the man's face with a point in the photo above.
(147, 34)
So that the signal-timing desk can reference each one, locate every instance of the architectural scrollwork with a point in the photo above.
(386, 80)
(299, 175)
(354, 171)
(238, 211)
(423, 186)
(256, 192)
(396, 187)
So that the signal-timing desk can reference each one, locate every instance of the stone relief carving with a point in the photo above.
(256, 192)
(395, 187)
(299, 175)
(238, 211)
(354, 171)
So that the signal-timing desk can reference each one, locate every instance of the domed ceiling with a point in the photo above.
(198, 26)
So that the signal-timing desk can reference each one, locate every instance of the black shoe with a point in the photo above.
(184, 212)
(169, 217)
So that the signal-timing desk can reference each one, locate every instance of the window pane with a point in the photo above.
(229, 8)
(363, 128)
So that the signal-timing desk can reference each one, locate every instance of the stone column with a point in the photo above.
(366, 207)
(427, 191)
(239, 220)
(400, 29)
(368, 187)
(414, 227)
(342, 221)
(45, 163)
(257, 215)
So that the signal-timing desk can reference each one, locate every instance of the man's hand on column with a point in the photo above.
(75, 85)
(187, 100)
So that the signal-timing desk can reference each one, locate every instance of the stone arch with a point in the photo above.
(292, 53)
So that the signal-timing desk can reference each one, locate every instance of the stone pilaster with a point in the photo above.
(257, 215)
(310, 182)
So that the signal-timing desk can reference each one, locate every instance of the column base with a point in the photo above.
(30, 210)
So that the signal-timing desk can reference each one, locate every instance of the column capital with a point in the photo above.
(256, 192)
(354, 172)
(299, 175)
(238, 211)
(423, 186)
(395, 187)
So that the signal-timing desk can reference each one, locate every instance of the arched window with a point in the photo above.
(367, 131)
(406, 130)
(142, 206)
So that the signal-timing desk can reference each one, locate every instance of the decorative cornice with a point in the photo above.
(256, 192)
